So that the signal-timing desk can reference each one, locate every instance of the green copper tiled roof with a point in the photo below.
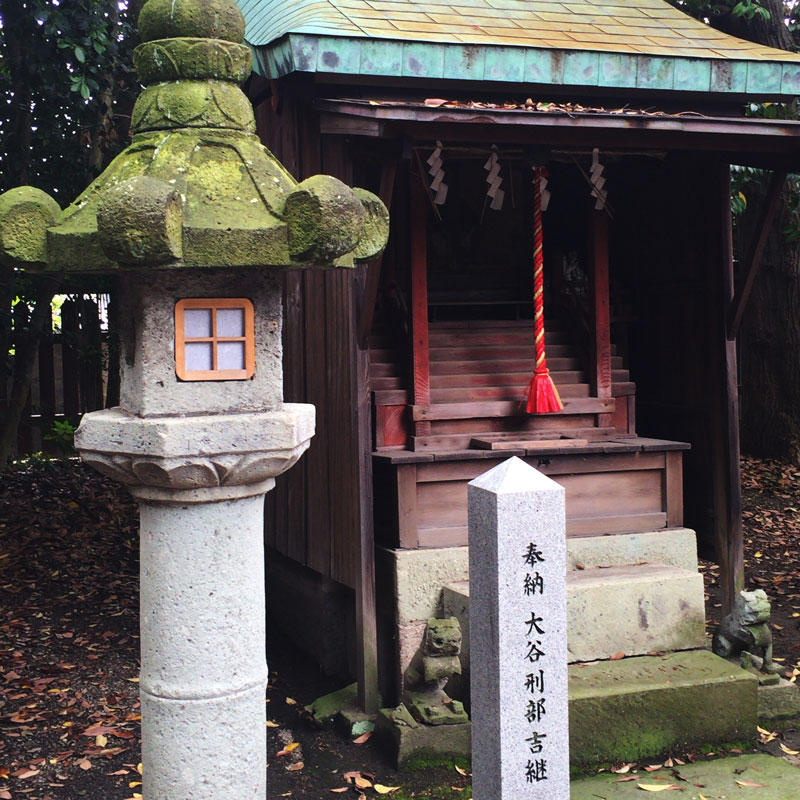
(636, 43)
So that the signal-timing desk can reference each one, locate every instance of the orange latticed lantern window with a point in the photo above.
(214, 339)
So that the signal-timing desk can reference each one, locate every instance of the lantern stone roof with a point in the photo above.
(195, 188)
(636, 44)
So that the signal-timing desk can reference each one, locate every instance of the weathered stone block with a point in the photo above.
(780, 701)
(149, 383)
(633, 610)
(420, 576)
(674, 548)
(630, 610)
(407, 738)
(633, 708)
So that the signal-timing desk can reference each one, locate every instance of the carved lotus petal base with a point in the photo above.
(185, 458)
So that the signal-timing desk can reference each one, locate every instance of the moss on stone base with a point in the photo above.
(636, 708)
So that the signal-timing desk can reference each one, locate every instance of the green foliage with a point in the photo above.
(741, 179)
(64, 74)
(715, 13)
(62, 435)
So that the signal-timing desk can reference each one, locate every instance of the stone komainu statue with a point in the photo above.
(744, 633)
(429, 673)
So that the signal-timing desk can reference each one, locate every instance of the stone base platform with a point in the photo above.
(403, 738)
(636, 708)
(779, 703)
(631, 709)
(775, 779)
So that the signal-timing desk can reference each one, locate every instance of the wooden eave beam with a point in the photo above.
(763, 143)
(755, 252)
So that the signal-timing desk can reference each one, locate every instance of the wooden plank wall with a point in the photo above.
(313, 515)
(666, 247)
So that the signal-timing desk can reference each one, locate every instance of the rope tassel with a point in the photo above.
(543, 396)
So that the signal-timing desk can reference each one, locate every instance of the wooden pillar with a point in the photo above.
(600, 377)
(728, 535)
(366, 612)
(420, 354)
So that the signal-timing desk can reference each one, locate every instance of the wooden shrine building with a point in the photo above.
(418, 364)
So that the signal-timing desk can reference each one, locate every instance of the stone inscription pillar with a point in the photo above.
(518, 635)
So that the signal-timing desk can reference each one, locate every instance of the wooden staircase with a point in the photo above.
(479, 374)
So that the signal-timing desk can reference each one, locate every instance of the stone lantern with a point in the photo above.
(197, 218)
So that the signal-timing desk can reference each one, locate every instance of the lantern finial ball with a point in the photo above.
(202, 19)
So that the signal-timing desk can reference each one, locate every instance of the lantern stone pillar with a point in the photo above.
(197, 218)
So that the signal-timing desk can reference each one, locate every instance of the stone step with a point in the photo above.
(631, 610)
(632, 709)
(676, 547)
(638, 708)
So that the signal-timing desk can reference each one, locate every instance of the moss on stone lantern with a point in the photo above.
(187, 214)
(195, 188)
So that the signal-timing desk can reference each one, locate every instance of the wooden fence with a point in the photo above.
(72, 372)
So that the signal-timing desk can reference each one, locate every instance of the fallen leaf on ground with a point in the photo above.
(362, 783)
(271, 724)
(381, 789)
(341, 789)
(749, 783)
(655, 787)
(788, 750)
(653, 767)
(461, 771)
(363, 738)
(623, 770)
(288, 749)
(290, 701)
(295, 767)
(626, 779)
(85, 764)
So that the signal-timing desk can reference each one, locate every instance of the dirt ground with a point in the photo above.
(69, 708)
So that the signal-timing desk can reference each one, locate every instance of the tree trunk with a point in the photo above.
(24, 366)
(771, 32)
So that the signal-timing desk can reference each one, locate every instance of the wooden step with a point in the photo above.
(516, 393)
(519, 336)
(497, 352)
(500, 365)
(385, 370)
(386, 382)
(560, 377)
(386, 355)
(442, 442)
(483, 324)
(507, 408)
